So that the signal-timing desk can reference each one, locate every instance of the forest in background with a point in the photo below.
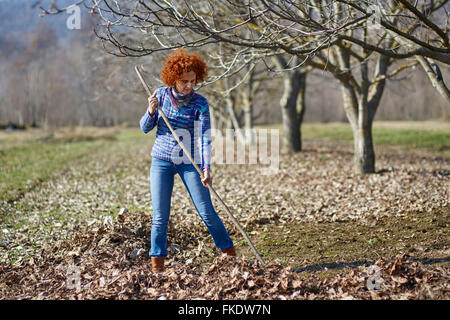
(51, 76)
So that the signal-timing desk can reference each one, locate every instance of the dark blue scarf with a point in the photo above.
(181, 99)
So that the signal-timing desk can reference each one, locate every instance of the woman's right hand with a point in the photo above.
(152, 103)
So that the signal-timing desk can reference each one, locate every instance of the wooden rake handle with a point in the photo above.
(161, 112)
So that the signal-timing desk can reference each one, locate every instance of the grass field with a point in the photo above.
(425, 136)
(55, 184)
(28, 158)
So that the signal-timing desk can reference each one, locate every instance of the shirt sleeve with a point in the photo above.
(148, 121)
(205, 139)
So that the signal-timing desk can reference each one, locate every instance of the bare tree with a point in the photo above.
(435, 75)
(237, 94)
(408, 22)
(420, 30)
(292, 102)
(335, 36)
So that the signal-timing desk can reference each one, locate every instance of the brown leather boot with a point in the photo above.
(230, 251)
(158, 264)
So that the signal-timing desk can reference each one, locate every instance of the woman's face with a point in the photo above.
(186, 82)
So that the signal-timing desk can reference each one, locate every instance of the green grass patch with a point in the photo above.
(130, 135)
(329, 247)
(429, 138)
(27, 159)
(23, 167)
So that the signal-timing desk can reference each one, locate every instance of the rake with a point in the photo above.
(187, 153)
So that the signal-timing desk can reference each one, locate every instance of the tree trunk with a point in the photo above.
(361, 104)
(247, 106)
(301, 104)
(293, 84)
(248, 122)
(291, 127)
(229, 133)
(213, 118)
(437, 81)
(364, 156)
(230, 104)
(360, 119)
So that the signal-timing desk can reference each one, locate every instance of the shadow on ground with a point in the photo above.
(361, 263)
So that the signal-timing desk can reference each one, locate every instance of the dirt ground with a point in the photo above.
(324, 232)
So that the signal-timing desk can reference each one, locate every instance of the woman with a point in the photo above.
(187, 111)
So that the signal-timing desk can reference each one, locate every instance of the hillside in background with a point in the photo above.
(21, 16)
(19, 19)
(50, 75)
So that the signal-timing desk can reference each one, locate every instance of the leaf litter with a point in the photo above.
(106, 261)
(89, 253)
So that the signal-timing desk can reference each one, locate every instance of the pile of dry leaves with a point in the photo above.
(80, 252)
(109, 260)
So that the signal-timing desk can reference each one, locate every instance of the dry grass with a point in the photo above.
(19, 138)
(77, 134)
(414, 125)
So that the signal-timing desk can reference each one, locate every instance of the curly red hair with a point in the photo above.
(180, 62)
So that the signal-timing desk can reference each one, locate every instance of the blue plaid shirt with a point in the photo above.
(191, 123)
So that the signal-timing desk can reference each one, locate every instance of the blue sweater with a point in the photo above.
(191, 123)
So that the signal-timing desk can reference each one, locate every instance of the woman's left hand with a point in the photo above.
(206, 178)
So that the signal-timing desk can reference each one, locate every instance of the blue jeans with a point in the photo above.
(162, 174)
